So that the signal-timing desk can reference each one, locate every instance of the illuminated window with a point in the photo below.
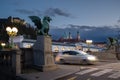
(56, 49)
(62, 48)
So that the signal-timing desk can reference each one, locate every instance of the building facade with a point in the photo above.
(21, 42)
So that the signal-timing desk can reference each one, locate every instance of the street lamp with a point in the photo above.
(12, 32)
(3, 45)
(88, 43)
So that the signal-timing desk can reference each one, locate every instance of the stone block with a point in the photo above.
(43, 56)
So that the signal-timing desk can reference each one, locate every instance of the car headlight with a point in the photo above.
(91, 58)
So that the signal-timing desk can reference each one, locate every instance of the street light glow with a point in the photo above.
(14, 29)
(12, 32)
(3, 44)
(8, 29)
(89, 41)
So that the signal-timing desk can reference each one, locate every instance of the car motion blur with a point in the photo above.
(75, 56)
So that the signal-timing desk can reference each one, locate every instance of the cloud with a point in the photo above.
(118, 20)
(56, 11)
(29, 12)
(50, 12)
(86, 28)
(86, 32)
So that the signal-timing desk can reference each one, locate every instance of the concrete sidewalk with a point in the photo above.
(62, 71)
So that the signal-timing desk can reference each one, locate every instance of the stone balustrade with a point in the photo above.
(10, 61)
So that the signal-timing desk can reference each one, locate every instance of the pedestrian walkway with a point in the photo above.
(87, 71)
(115, 66)
(102, 72)
(96, 72)
(62, 71)
(112, 71)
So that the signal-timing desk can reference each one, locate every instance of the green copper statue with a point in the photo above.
(42, 27)
(112, 42)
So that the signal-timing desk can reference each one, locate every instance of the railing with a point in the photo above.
(5, 58)
(10, 61)
(26, 58)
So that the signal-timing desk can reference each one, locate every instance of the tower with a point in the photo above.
(78, 35)
(65, 36)
(70, 37)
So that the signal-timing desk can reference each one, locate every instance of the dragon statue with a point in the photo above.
(112, 42)
(42, 26)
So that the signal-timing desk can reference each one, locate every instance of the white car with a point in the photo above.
(75, 56)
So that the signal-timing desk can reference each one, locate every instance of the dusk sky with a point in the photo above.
(95, 19)
(65, 12)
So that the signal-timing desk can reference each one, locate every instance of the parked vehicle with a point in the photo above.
(75, 56)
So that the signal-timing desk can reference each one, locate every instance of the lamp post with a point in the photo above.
(12, 32)
(88, 43)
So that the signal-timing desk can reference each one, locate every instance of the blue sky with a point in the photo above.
(65, 12)
(94, 19)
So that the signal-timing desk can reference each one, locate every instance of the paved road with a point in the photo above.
(94, 74)
(109, 70)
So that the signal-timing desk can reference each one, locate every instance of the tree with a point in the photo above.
(23, 29)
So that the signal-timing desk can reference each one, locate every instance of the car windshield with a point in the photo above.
(82, 52)
(75, 52)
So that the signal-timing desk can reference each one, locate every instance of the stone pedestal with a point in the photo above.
(43, 56)
(16, 61)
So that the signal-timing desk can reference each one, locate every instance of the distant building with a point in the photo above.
(21, 42)
(68, 38)
(100, 44)
(58, 47)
